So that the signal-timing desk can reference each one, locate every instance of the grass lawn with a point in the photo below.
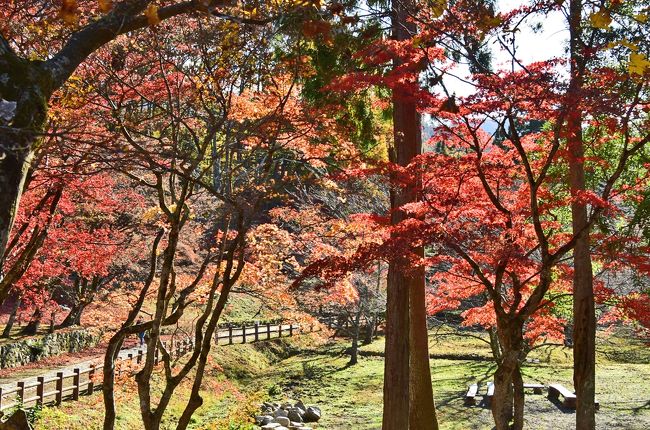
(350, 397)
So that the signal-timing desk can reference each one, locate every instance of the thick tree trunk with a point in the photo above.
(508, 400)
(408, 397)
(503, 401)
(32, 327)
(396, 363)
(74, 316)
(584, 319)
(518, 398)
(422, 408)
(12, 319)
(23, 110)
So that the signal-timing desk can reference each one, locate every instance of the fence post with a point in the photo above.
(1, 394)
(75, 383)
(139, 357)
(280, 329)
(91, 379)
(216, 336)
(268, 330)
(59, 388)
(178, 349)
(40, 390)
(21, 391)
(230, 335)
(291, 329)
(243, 333)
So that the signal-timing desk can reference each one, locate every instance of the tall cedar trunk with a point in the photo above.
(422, 408)
(12, 319)
(408, 397)
(396, 364)
(584, 319)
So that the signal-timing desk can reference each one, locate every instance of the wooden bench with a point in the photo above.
(472, 392)
(557, 390)
(489, 393)
(537, 388)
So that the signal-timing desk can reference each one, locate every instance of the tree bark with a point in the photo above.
(354, 349)
(24, 106)
(32, 327)
(74, 316)
(6, 333)
(408, 396)
(422, 408)
(584, 314)
(508, 399)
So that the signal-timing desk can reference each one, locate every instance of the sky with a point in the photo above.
(531, 46)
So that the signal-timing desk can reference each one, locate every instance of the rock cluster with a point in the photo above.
(39, 347)
(287, 416)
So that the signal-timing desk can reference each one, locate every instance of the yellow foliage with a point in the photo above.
(69, 12)
(639, 63)
(105, 5)
(152, 15)
(601, 19)
(438, 7)
(642, 17)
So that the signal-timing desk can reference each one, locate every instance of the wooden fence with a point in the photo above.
(69, 386)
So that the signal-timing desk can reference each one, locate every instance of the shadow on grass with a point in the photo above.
(558, 404)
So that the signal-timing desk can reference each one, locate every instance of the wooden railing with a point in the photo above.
(69, 386)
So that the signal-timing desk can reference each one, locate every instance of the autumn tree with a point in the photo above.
(43, 43)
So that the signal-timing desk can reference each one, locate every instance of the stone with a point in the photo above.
(17, 421)
(280, 413)
(295, 415)
(301, 405)
(271, 426)
(263, 419)
(36, 348)
(312, 414)
(284, 421)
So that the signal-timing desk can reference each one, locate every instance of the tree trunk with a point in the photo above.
(23, 104)
(354, 349)
(584, 314)
(108, 380)
(6, 333)
(502, 401)
(32, 327)
(74, 316)
(518, 398)
(396, 363)
(370, 330)
(508, 399)
(422, 408)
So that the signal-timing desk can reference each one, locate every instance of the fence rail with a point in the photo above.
(45, 389)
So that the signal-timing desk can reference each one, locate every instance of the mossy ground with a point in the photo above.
(350, 396)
